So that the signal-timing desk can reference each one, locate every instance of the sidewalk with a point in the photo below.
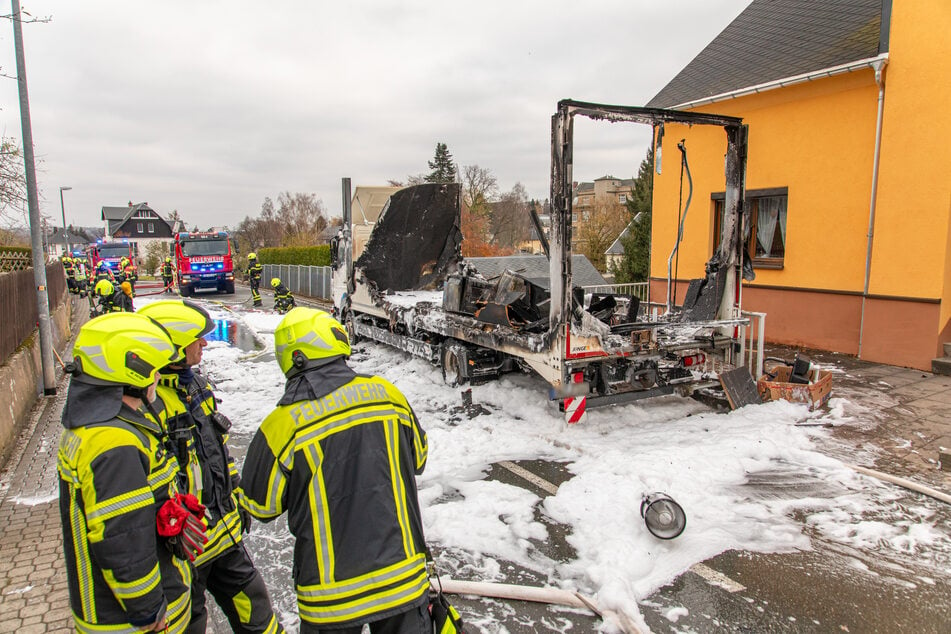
(895, 422)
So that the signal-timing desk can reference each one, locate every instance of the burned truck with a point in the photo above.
(399, 279)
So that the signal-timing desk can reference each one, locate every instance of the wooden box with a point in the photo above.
(814, 395)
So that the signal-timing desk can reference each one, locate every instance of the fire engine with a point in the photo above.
(109, 252)
(204, 260)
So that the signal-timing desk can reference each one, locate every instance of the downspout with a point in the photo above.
(879, 67)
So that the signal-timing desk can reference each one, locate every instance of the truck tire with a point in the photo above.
(453, 364)
(351, 328)
(185, 290)
(229, 288)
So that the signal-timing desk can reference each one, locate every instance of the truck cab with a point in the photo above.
(204, 260)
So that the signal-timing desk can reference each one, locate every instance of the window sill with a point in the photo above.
(768, 263)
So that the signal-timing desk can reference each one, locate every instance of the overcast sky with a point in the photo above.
(208, 107)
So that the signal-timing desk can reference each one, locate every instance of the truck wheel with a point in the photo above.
(453, 364)
(351, 328)
(229, 288)
(185, 290)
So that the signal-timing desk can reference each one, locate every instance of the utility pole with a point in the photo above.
(33, 202)
(62, 208)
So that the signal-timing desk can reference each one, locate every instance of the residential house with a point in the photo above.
(847, 175)
(140, 225)
(606, 194)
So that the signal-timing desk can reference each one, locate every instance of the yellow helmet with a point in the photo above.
(275, 282)
(168, 258)
(122, 349)
(252, 256)
(185, 321)
(308, 338)
(104, 287)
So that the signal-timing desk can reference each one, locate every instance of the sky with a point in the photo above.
(209, 107)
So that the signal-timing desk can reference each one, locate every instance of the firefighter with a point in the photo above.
(199, 434)
(339, 455)
(283, 300)
(127, 532)
(79, 276)
(130, 274)
(254, 278)
(69, 270)
(103, 272)
(167, 271)
(119, 274)
(106, 300)
(123, 298)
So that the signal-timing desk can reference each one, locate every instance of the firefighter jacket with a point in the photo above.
(339, 454)
(114, 474)
(282, 292)
(254, 271)
(167, 269)
(199, 434)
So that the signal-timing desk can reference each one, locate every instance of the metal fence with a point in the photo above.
(639, 290)
(309, 281)
(18, 311)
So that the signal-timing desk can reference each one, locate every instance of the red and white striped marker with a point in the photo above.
(575, 405)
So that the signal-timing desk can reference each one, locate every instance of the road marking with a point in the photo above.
(541, 483)
(715, 578)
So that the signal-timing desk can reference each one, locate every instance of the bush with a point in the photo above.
(304, 256)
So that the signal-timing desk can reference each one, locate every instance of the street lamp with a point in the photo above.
(62, 208)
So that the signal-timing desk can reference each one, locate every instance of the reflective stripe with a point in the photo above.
(132, 589)
(120, 504)
(365, 606)
(273, 627)
(332, 426)
(78, 526)
(320, 519)
(222, 536)
(391, 431)
(163, 475)
(364, 583)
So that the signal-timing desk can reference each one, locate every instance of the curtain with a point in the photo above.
(767, 216)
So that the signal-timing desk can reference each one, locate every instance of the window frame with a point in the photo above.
(751, 200)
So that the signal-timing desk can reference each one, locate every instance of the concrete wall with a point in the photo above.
(22, 374)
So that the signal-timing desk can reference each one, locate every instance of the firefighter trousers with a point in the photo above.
(416, 620)
(255, 295)
(238, 589)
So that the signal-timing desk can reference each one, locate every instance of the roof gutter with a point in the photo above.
(871, 62)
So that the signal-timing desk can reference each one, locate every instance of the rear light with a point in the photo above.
(693, 359)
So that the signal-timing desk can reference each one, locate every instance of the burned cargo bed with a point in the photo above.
(400, 279)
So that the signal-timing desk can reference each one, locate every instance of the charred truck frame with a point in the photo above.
(391, 263)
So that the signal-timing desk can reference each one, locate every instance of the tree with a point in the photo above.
(479, 186)
(510, 222)
(635, 264)
(443, 169)
(155, 254)
(599, 229)
(296, 220)
(12, 180)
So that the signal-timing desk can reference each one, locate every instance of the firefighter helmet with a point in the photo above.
(252, 256)
(185, 321)
(122, 349)
(308, 338)
(104, 287)
(168, 258)
(275, 282)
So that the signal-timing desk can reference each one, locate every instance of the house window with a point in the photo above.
(622, 199)
(151, 227)
(139, 227)
(767, 244)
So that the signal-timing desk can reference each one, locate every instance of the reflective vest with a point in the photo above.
(207, 469)
(113, 478)
(342, 465)
(254, 270)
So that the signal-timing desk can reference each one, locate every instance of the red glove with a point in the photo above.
(179, 522)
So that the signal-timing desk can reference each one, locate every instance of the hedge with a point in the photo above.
(305, 256)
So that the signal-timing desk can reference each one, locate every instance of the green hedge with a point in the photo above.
(305, 256)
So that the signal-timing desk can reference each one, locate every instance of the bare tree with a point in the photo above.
(12, 181)
(598, 229)
(479, 186)
(510, 223)
(302, 217)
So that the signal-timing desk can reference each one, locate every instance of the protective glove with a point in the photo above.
(179, 522)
